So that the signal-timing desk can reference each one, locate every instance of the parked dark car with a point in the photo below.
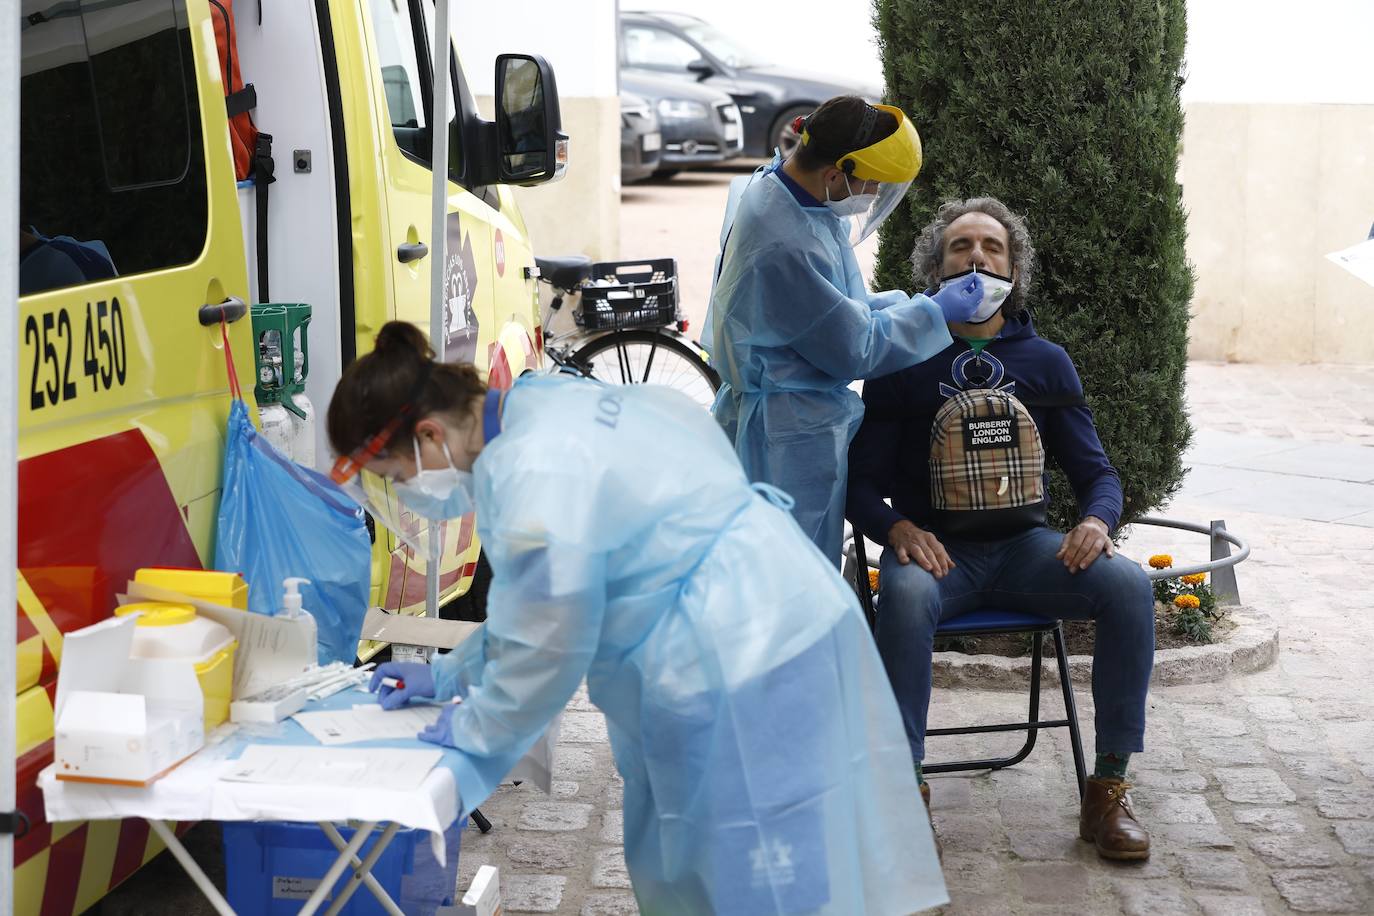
(641, 143)
(691, 49)
(700, 125)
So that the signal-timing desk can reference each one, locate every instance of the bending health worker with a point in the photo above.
(766, 768)
(792, 322)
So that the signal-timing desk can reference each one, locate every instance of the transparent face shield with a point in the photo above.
(421, 540)
(889, 195)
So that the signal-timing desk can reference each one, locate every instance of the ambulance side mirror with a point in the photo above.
(530, 144)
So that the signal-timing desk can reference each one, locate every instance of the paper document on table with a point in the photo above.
(318, 766)
(1358, 259)
(367, 723)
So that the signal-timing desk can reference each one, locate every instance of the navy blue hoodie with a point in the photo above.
(891, 453)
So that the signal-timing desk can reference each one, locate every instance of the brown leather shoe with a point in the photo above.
(1108, 822)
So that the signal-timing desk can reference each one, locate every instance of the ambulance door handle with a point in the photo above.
(411, 251)
(230, 310)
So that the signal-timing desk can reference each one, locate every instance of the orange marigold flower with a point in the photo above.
(873, 579)
(1195, 579)
(1187, 601)
(1161, 561)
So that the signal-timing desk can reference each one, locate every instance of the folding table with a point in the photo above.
(193, 791)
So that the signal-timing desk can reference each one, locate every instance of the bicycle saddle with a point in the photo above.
(567, 272)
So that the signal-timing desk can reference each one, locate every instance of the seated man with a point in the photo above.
(929, 575)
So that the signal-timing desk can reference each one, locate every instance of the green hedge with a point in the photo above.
(1069, 112)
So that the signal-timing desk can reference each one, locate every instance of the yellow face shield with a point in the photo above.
(892, 163)
(895, 159)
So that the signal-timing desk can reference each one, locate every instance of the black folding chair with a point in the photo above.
(992, 622)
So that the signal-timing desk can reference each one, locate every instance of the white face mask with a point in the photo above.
(437, 494)
(996, 289)
(853, 205)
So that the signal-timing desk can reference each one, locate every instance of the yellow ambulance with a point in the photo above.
(137, 236)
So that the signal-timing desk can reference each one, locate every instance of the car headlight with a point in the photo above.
(681, 108)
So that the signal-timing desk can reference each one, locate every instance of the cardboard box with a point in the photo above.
(119, 720)
(407, 630)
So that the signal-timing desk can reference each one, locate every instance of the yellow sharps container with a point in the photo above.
(223, 588)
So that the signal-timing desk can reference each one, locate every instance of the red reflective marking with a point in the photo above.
(499, 375)
(91, 514)
(47, 674)
(24, 628)
(133, 843)
(64, 865)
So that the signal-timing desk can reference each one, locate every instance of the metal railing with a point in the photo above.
(1223, 563)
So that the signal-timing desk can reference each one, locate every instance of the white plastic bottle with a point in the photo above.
(291, 608)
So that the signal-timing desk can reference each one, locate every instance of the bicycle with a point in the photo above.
(627, 328)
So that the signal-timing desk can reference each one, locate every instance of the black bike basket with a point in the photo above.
(630, 294)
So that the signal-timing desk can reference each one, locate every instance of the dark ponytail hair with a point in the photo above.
(838, 128)
(399, 378)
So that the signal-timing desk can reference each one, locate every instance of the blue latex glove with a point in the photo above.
(417, 677)
(441, 732)
(960, 300)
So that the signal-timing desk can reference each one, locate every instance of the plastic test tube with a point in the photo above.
(393, 683)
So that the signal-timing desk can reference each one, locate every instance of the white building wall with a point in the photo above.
(581, 213)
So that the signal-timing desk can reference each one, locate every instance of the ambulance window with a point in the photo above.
(112, 176)
(403, 55)
(455, 120)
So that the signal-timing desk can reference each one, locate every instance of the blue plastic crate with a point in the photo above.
(272, 868)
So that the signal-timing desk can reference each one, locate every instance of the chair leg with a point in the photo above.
(1070, 709)
(480, 820)
(1030, 728)
(1037, 659)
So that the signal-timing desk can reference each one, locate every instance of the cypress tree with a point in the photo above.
(1069, 112)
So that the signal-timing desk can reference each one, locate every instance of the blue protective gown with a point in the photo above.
(792, 325)
(765, 765)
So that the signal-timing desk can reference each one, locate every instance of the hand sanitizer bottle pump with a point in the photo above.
(291, 608)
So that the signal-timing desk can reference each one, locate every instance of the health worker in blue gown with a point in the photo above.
(791, 321)
(765, 765)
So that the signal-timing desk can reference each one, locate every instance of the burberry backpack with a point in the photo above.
(987, 467)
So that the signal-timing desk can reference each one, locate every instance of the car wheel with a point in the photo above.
(665, 173)
(784, 138)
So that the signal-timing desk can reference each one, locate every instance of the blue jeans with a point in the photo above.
(1021, 573)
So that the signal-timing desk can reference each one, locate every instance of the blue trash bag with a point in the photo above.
(278, 519)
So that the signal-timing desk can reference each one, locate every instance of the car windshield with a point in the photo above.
(721, 45)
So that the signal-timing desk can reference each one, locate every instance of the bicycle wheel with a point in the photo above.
(653, 357)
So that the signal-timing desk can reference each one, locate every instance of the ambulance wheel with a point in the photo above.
(653, 357)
